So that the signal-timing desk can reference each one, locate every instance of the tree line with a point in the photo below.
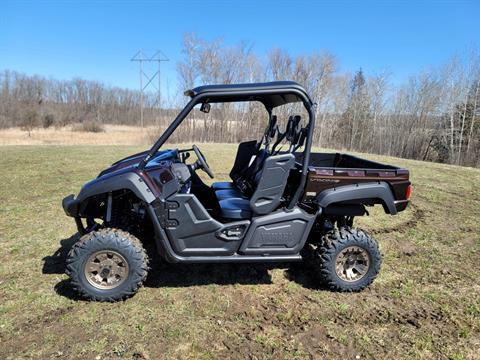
(433, 115)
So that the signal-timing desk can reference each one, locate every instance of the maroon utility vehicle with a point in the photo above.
(282, 197)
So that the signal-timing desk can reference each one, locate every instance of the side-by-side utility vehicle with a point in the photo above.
(282, 200)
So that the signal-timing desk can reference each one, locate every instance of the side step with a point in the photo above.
(238, 259)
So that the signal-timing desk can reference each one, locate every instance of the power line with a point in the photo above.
(141, 57)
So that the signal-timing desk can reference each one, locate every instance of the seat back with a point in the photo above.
(246, 181)
(245, 152)
(242, 167)
(270, 183)
(265, 179)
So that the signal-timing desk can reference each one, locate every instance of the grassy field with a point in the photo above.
(425, 303)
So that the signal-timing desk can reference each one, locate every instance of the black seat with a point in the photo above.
(244, 185)
(260, 188)
(228, 194)
(242, 164)
(269, 185)
(245, 152)
(223, 185)
(235, 208)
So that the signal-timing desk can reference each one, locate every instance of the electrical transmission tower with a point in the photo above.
(142, 57)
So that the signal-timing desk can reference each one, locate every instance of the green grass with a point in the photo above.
(424, 304)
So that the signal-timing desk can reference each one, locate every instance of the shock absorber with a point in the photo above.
(108, 215)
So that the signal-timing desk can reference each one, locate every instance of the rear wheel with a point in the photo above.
(348, 259)
(107, 265)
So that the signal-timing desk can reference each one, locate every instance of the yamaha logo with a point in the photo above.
(276, 237)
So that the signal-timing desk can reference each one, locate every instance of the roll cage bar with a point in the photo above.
(270, 94)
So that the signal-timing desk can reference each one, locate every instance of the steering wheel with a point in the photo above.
(201, 163)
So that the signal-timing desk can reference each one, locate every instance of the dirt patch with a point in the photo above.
(45, 319)
(269, 329)
(417, 216)
(396, 313)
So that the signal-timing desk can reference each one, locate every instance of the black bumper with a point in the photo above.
(71, 205)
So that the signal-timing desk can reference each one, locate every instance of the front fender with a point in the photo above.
(116, 181)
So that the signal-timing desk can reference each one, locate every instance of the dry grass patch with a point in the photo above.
(89, 133)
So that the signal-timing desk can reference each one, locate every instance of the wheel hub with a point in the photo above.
(106, 269)
(352, 263)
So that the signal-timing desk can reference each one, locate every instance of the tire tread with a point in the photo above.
(332, 243)
(108, 237)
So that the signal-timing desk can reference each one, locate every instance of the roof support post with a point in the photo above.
(306, 156)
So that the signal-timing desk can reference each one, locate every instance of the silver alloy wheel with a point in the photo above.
(352, 263)
(106, 269)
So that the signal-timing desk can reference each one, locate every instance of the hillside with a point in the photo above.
(425, 303)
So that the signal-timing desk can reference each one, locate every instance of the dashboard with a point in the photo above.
(170, 159)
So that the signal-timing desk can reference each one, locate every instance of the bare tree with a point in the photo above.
(433, 115)
(474, 116)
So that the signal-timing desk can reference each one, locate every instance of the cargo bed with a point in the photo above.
(332, 170)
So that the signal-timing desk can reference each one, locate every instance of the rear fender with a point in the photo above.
(378, 191)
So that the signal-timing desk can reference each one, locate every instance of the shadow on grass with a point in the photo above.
(55, 263)
(163, 274)
(64, 288)
(305, 276)
(184, 275)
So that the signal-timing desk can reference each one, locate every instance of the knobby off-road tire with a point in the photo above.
(107, 265)
(348, 260)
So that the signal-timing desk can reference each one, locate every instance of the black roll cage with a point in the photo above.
(242, 93)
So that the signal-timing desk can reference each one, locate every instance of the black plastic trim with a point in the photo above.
(166, 251)
(281, 232)
(375, 190)
(111, 182)
(70, 205)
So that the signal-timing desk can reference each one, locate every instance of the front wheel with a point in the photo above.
(107, 265)
(348, 259)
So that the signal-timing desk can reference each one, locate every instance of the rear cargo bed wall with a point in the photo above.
(339, 160)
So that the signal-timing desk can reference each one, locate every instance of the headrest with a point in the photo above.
(302, 135)
(272, 127)
(293, 134)
(288, 128)
(293, 129)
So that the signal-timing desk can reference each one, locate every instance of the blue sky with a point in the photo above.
(95, 40)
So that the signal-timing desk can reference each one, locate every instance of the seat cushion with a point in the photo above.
(222, 185)
(235, 208)
(228, 194)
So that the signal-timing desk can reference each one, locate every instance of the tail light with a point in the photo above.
(408, 192)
